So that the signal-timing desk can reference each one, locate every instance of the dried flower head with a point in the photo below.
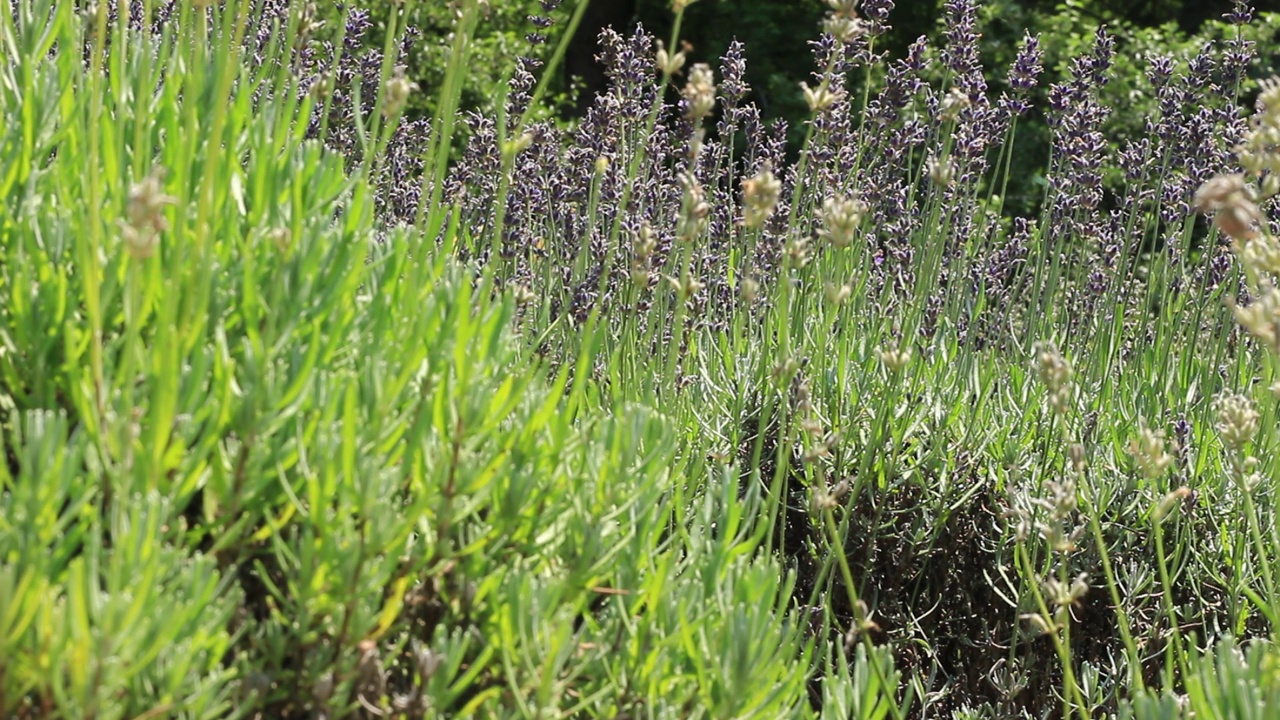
(828, 499)
(837, 294)
(760, 194)
(797, 252)
(821, 98)
(895, 359)
(1077, 457)
(812, 427)
(1063, 594)
(686, 287)
(1259, 254)
(843, 8)
(321, 87)
(693, 208)
(147, 201)
(845, 28)
(1260, 150)
(1040, 624)
(281, 238)
(700, 92)
(1232, 201)
(954, 103)
(1268, 103)
(309, 23)
(644, 242)
(1055, 372)
(941, 172)
(1170, 501)
(145, 219)
(841, 217)
(862, 623)
(1261, 318)
(1058, 532)
(1237, 421)
(1150, 452)
(1051, 517)
(522, 295)
(399, 88)
(669, 63)
(1061, 502)
(817, 451)
(1220, 192)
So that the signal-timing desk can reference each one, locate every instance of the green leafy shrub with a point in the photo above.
(263, 459)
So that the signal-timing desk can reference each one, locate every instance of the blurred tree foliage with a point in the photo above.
(1067, 31)
(772, 29)
(503, 35)
(776, 33)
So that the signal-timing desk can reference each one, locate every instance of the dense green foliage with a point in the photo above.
(260, 465)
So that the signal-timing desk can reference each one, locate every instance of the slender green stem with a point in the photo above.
(1175, 652)
(846, 573)
(1071, 688)
(1122, 616)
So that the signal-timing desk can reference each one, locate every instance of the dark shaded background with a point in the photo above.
(776, 35)
(774, 31)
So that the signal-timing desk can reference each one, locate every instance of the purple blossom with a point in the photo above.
(961, 53)
(1240, 14)
(876, 13)
(1025, 72)
(733, 70)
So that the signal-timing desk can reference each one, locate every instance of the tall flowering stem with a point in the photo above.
(1235, 202)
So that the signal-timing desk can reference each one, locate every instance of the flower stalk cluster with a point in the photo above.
(1235, 201)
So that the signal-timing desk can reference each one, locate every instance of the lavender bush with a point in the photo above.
(640, 417)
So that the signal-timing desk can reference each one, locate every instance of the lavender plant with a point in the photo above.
(637, 417)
